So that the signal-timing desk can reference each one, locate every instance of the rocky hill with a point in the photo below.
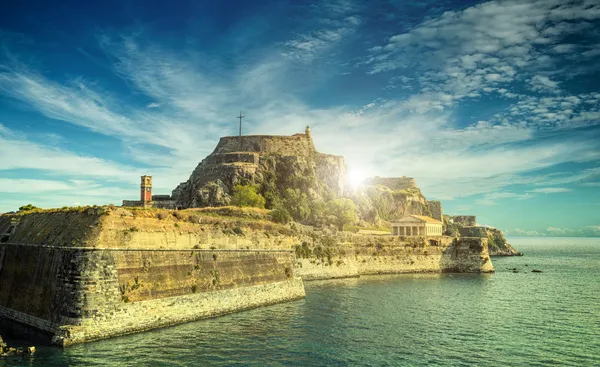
(271, 163)
(465, 226)
(290, 174)
(289, 170)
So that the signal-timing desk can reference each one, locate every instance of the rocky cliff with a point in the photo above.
(272, 163)
(497, 244)
(276, 164)
(389, 199)
(466, 226)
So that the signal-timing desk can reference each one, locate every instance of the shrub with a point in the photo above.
(281, 215)
(303, 251)
(179, 215)
(247, 195)
(194, 218)
(28, 207)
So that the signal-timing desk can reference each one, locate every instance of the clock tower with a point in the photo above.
(146, 190)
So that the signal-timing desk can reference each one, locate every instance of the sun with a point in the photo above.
(355, 178)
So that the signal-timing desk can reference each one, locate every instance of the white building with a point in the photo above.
(417, 225)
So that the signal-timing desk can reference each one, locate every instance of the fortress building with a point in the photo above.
(147, 200)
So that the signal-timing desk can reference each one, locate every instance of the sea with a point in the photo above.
(514, 317)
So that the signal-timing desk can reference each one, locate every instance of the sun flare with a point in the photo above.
(355, 178)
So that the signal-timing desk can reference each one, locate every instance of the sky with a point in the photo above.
(493, 107)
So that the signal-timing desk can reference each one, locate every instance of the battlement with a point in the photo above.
(465, 220)
(394, 183)
(298, 144)
(234, 157)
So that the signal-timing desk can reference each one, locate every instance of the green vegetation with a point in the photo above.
(247, 195)
(28, 207)
(281, 215)
(296, 203)
(341, 212)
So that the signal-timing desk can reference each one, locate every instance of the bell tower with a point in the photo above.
(146, 190)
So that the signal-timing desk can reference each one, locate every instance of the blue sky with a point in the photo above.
(493, 107)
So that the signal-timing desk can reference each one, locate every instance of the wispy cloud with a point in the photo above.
(337, 20)
(551, 190)
(588, 231)
(186, 101)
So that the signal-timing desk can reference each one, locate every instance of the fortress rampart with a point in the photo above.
(465, 220)
(298, 144)
(90, 274)
(394, 183)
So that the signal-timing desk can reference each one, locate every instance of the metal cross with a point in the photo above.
(241, 117)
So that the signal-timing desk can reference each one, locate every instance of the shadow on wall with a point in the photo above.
(19, 335)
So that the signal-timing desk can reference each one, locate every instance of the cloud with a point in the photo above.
(482, 49)
(540, 83)
(587, 231)
(491, 198)
(339, 19)
(479, 51)
(19, 153)
(551, 190)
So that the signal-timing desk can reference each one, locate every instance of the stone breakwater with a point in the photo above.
(387, 256)
(90, 274)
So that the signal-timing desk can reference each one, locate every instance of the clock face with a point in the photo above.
(147, 189)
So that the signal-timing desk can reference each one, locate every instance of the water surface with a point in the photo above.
(502, 319)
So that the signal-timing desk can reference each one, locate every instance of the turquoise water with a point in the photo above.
(502, 319)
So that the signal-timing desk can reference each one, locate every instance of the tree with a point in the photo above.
(342, 212)
(27, 208)
(296, 203)
(246, 195)
(280, 215)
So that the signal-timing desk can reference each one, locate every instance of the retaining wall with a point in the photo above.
(80, 294)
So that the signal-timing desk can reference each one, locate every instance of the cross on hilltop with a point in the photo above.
(240, 117)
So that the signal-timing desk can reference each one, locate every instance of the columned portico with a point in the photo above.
(417, 225)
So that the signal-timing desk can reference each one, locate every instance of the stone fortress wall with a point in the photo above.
(296, 145)
(465, 220)
(94, 282)
(394, 183)
(89, 275)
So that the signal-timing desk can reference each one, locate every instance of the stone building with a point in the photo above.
(417, 225)
(147, 200)
(464, 220)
